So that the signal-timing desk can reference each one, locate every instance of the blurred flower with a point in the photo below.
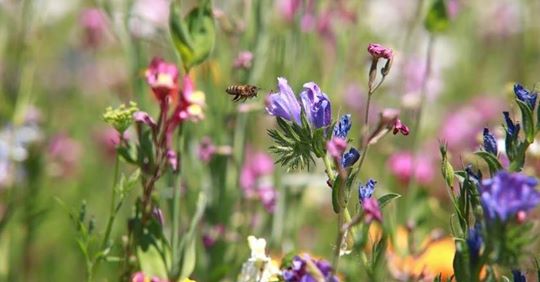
(366, 191)
(372, 211)
(403, 165)
(343, 126)
(94, 25)
(506, 194)
(316, 105)
(243, 60)
(414, 71)
(162, 78)
(460, 128)
(256, 167)
(490, 143)
(64, 154)
(259, 267)
(350, 158)
(525, 96)
(284, 104)
(474, 241)
(148, 16)
(508, 19)
(145, 118)
(378, 51)
(305, 269)
(107, 139)
(336, 146)
(288, 8)
(211, 235)
(172, 158)
(518, 276)
(206, 150)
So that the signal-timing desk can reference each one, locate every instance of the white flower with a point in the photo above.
(259, 267)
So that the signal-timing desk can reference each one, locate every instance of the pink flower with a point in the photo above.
(378, 51)
(400, 127)
(288, 8)
(336, 146)
(162, 78)
(268, 195)
(206, 150)
(243, 60)
(94, 25)
(107, 139)
(191, 103)
(403, 166)
(372, 210)
(65, 154)
(256, 167)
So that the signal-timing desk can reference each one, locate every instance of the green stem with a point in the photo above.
(176, 196)
(112, 211)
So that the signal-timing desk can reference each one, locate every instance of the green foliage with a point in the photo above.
(194, 36)
(437, 17)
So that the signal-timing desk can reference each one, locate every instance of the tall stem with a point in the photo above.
(112, 211)
(176, 195)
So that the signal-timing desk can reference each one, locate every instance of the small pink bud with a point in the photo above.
(336, 146)
(521, 216)
(379, 51)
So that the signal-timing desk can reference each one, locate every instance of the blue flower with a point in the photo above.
(350, 157)
(524, 95)
(316, 105)
(490, 143)
(506, 194)
(365, 191)
(518, 276)
(474, 241)
(342, 128)
(283, 103)
(512, 130)
(298, 271)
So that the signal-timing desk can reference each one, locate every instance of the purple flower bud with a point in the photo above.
(525, 95)
(206, 150)
(506, 194)
(518, 276)
(512, 130)
(378, 51)
(366, 191)
(144, 117)
(283, 103)
(349, 158)
(474, 241)
(316, 105)
(342, 128)
(490, 143)
(158, 215)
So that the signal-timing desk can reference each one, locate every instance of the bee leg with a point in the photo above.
(235, 98)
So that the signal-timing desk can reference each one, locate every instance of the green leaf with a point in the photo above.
(152, 249)
(437, 17)
(318, 143)
(527, 120)
(492, 161)
(462, 262)
(194, 36)
(387, 198)
(128, 153)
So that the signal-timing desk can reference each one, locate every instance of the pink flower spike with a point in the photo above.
(162, 78)
(372, 210)
(400, 127)
(379, 51)
(336, 146)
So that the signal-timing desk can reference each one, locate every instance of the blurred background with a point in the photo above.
(63, 62)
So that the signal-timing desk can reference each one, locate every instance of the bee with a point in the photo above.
(242, 91)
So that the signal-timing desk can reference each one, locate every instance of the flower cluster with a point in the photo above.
(369, 204)
(305, 269)
(337, 145)
(506, 194)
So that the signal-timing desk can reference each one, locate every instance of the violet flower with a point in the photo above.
(350, 158)
(283, 103)
(316, 105)
(490, 143)
(506, 194)
(298, 271)
(525, 96)
(343, 126)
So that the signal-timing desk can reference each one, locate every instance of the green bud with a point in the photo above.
(120, 118)
(446, 168)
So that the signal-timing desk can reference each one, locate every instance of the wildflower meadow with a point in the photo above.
(265, 141)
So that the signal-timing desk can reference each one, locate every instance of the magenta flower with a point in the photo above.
(206, 150)
(283, 103)
(378, 51)
(162, 78)
(288, 8)
(372, 210)
(256, 166)
(404, 167)
(94, 25)
(267, 196)
(243, 60)
(400, 127)
(336, 146)
(65, 155)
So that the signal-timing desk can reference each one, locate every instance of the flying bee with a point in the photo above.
(244, 92)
